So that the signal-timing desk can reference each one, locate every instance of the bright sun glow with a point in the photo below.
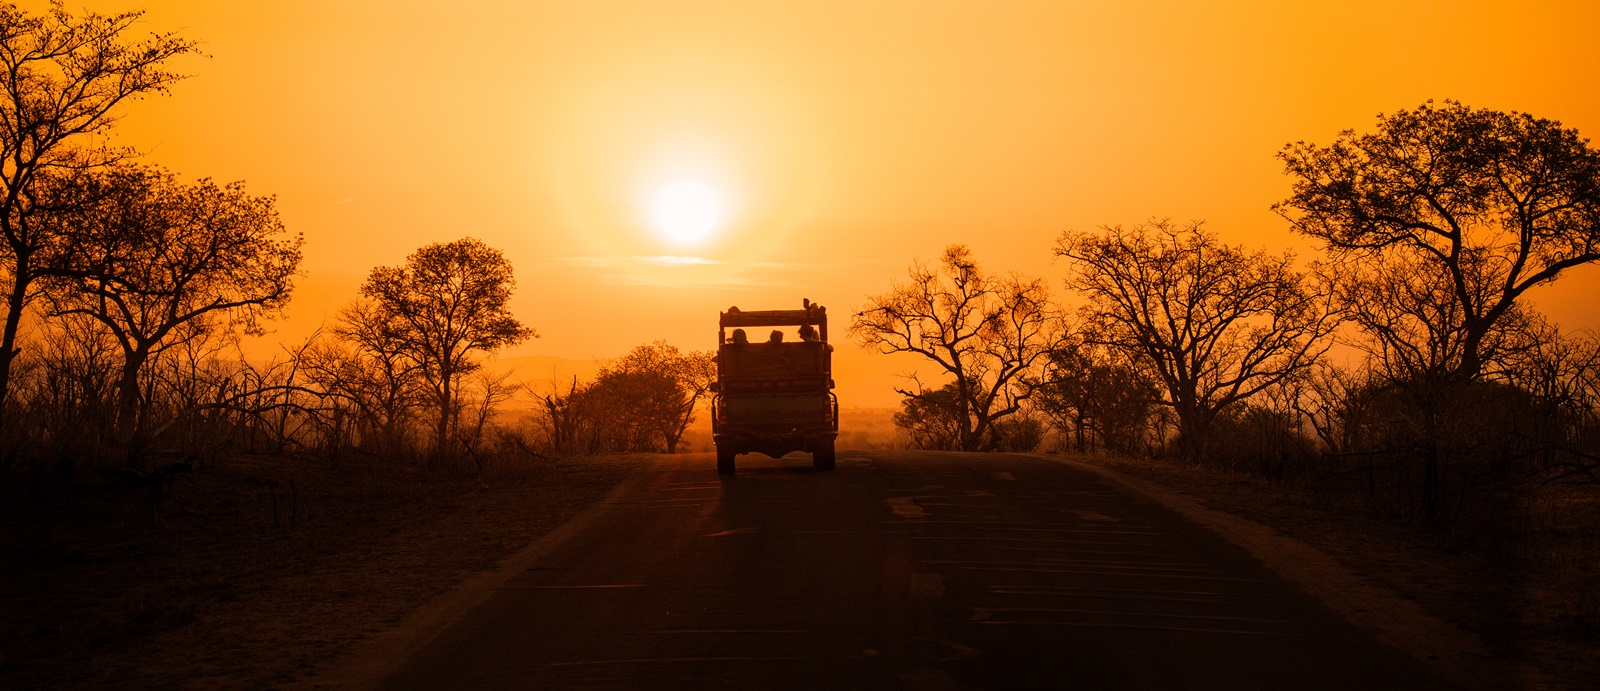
(686, 211)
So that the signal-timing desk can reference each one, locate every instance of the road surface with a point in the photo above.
(909, 570)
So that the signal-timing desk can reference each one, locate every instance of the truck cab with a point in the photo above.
(773, 393)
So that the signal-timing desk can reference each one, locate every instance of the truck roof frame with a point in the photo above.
(775, 318)
(813, 315)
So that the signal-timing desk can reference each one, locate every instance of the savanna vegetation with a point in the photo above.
(1400, 372)
(152, 470)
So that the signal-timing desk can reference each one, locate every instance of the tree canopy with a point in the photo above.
(65, 78)
(1215, 324)
(447, 302)
(160, 261)
(987, 332)
(1438, 222)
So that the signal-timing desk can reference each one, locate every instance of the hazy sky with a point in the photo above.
(842, 139)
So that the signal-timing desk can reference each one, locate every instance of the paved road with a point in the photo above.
(900, 570)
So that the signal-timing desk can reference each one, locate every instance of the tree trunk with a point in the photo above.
(446, 402)
(128, 432)
(1078, 431)
(1194, 432)
(16, 300)
(1430, 483)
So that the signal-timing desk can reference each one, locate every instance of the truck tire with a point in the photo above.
(725, 460)
(822, 458)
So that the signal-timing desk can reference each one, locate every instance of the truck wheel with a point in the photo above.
(822, 458)
(725, 461)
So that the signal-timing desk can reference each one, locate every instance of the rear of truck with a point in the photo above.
(775, 397)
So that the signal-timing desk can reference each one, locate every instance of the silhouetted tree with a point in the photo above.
(1438, 222)
(691, 375)
(989, 333)
(932, 418)
(1337, 404)
(164, 262)
(64, 78)
(366, 368)
(1097, 397)
(446, 303)
(1215, 324)
(1435, 226)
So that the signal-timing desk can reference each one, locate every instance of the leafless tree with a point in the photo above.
(1440, 221)
(477, 410)
(165, 262)
(444, 305)
(64, 79)
(1337, 403)
(367, 369)
(1216, 324)
(987, 332)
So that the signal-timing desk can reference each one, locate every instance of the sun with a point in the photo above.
(687, 211)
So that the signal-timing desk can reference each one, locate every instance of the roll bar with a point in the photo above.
(813, 314)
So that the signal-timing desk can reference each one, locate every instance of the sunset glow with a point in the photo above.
(809, 149)
(686, 212)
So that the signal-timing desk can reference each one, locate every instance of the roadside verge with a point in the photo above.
(371, 661)
(1395, 620)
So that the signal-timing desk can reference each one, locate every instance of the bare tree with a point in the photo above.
(366, 367)
(989, 333)
(1440, 221)
(1215, 324)
(446, 303)
(64, 78)
(492, 390)
(165, 262)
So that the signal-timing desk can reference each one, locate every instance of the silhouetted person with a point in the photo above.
(776, 337)
(739, 337)
(808, 333)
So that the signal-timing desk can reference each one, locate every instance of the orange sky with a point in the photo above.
(845, 137)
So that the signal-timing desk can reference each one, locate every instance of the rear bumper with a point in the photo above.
(774, 441)
(797, 425)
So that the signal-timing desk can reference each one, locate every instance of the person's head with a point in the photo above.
(808, 332)
(776, 337)
(740, 337)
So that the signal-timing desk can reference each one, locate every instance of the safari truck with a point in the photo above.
(773, 392)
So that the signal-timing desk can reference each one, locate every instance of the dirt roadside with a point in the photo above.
(262, 573)
(1461, 616)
